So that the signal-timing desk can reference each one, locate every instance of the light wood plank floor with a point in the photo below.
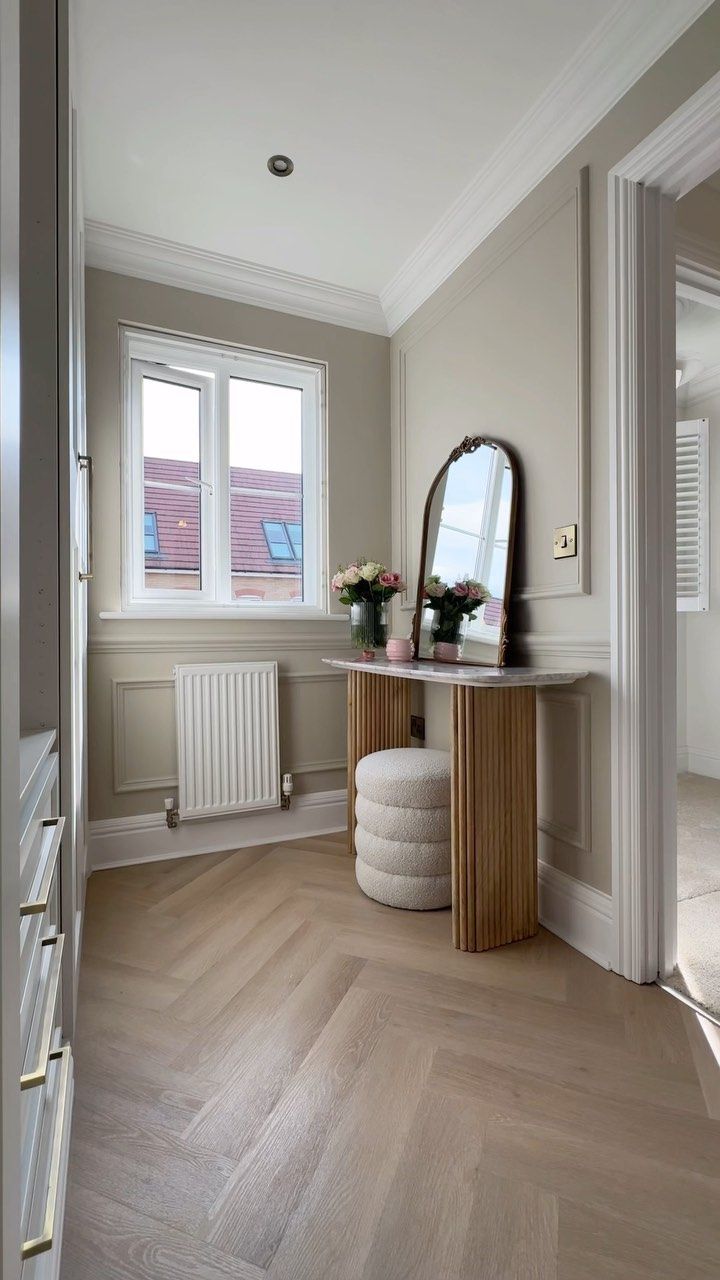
(278, 1077)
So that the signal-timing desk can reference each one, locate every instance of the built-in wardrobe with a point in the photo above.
(43, 849)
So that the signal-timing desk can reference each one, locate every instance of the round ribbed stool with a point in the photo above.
(402, 837)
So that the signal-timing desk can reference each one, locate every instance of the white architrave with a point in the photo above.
(643, 188)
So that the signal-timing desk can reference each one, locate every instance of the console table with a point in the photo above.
(494, 783)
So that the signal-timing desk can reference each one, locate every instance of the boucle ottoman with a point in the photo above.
(402, 837)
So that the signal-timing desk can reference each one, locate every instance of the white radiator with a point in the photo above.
(227, 737)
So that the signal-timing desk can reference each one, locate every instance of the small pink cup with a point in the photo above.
(399, 649)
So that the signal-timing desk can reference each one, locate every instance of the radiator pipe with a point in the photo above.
(287, 790)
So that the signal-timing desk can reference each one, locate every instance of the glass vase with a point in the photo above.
(448, 636)
(369, 624)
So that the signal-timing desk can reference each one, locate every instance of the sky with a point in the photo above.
(265, 424)
(457, 547)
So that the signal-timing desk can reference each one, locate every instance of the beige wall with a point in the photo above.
(496, 351)
(131, 730)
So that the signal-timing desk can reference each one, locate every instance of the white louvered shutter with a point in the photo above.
(692, 520)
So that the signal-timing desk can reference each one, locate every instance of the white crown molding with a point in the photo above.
(132, 253)
(632, 36)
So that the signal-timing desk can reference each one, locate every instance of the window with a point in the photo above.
(473, 526)
(151, 534)
(284, 539)
(692, 541)
(278, 540)
(223, 465)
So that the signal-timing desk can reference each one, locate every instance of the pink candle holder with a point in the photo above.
(399, 649)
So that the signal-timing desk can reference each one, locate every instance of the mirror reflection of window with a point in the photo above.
(472, 536)
(468, 537)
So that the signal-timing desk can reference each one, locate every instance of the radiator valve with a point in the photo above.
(171, 813)
(287, 790)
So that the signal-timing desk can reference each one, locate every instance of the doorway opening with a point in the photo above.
(697, 444)
(645, 189)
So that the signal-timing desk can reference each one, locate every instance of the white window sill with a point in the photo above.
(262, 613)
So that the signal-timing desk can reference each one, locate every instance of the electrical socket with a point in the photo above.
(417, 728)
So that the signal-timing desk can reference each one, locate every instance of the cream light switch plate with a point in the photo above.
(565, 541)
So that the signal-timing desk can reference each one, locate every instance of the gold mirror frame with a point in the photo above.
(469, 445)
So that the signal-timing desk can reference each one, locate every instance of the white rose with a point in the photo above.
(352, 575)
(435, 589)
(370, 570)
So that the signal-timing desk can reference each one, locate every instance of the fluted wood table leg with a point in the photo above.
(494, 816)
(378, 718)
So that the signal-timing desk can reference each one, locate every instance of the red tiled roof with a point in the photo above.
(177, 514)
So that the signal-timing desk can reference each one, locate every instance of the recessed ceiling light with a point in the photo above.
(281, 166)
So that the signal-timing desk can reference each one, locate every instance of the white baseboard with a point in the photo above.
(683, 757)
(577, 913)
(120, 842)
(582, 916)
(705, 763)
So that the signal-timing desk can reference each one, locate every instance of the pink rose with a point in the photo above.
(461, 589)
(338, 581)
(475, 593)
(388, 579)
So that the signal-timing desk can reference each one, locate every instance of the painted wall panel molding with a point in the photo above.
(564, 767)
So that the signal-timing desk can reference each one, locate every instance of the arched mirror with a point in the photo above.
(466, 556)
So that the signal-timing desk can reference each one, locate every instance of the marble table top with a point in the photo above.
(457, 672)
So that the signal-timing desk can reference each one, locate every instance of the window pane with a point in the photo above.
(151, 535)
(277, 540)
(174, 561)
(263, 560)
(265, 429)
(171, 431)
(295, 535)
(454, 551)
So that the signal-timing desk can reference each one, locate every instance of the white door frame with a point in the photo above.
(10, 1238)
(643, 190)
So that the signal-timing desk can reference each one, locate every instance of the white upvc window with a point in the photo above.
(223, 480)
(692, 546)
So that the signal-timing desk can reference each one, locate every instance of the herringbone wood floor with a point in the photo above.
(278, 1077)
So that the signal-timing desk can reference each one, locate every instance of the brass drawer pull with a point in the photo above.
(30, 1079)
(43, 1242)
(39, 904)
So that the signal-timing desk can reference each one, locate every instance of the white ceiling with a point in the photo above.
(389, 108)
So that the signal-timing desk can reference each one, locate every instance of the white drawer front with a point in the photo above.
(42, 1224)
(40, 866)
(45, 1016)
(41, 805)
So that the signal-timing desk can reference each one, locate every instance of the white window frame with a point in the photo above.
(151, 353)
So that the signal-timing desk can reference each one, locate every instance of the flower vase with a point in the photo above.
(448, 636)
(369, 624)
